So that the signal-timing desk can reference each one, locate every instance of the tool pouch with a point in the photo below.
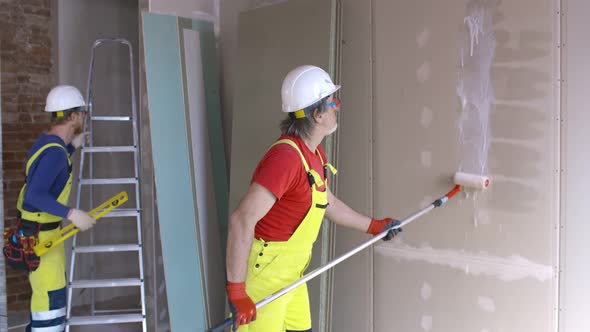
(18, 247)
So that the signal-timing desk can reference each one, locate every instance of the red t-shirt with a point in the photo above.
(281, 171)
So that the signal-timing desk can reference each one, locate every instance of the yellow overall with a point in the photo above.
(48, 281)
(275, 265)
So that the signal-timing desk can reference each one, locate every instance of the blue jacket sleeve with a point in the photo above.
(40, 180)
(71, 149)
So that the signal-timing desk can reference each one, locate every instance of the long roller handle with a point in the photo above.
(439, 202)
(221, 327)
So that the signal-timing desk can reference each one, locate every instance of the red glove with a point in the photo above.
(378, 226)
(244, 310)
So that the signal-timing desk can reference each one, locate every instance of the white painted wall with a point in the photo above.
(575, 251)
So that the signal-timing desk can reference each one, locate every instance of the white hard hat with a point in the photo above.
(304, 86)
(63, 97)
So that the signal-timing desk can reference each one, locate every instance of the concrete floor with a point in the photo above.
(20, 320)
(17, 321)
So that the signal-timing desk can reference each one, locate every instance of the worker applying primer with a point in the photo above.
(42, 205)
(272, 231)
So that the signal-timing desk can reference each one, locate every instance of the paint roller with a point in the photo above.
(467, 180)
(462, 180)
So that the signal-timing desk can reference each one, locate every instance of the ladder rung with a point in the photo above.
(111, 118)
(137, 310)
(104, 283)
(105, 319)
(108, 248)
(109, 181)
(89, 149)
(122, 213)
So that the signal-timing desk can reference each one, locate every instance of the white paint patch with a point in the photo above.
(482, 218)
(423, 38)
(486, 304)
(485, 330)
(475, 90)
(426, 158)
(426, 322)
(426, 117)
(426, 291)
(475, 24)
(423, 72)
(504, 268)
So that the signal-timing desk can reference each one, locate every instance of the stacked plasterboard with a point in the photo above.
(189, 165)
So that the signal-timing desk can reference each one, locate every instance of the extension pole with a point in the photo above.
(468, 180)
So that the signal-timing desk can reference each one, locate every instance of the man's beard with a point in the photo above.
(333, 130)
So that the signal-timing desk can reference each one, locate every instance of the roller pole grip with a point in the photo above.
(221, 327)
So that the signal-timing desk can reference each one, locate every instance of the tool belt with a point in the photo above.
(20, 241)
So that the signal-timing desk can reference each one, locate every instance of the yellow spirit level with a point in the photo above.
(70, 230)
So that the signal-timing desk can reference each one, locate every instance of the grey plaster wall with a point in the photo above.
(79, 24)
(485, 262)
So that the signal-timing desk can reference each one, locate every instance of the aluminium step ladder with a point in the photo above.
(102, 317)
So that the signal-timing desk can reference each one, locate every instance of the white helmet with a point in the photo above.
(304, 86)
(63, 97)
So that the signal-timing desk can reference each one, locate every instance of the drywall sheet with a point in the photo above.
(493, 254)
(352, 291)
(271, 41)
(484, 262)
(183, 98)
(575, 270)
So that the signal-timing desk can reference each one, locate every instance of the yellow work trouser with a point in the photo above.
(48, 282)
(271, 267)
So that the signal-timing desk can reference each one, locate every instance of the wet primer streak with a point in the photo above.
(475, 91)
(504, 268)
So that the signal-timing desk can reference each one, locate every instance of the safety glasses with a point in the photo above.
(335, 102)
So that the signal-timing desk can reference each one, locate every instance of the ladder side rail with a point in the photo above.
(88, 126)
(137, 160)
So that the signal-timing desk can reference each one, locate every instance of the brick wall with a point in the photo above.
(26, 66)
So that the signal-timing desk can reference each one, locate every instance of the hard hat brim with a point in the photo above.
(333, 91)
